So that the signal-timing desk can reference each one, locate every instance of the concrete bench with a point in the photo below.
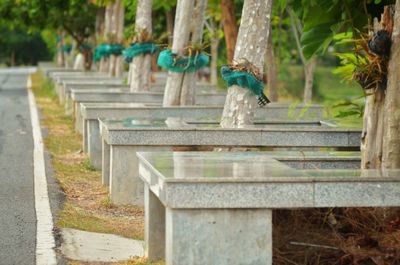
(122, 139)
(90, 112)
(65, 90)
(216, 208)
(116, 96)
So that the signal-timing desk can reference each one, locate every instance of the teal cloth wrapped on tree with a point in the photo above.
(175, 63)
(115, 49)
(67, 48)
(106, 50)
(101, 51)
(245, 80)
(139, 48)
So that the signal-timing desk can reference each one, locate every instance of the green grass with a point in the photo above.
(329, 91)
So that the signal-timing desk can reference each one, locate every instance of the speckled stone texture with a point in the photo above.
(155, 138)
(79, 96)
(218, 236)
(90, 112)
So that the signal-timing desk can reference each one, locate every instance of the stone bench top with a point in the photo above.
(176, 131)
(260, 180)
(95, 110)
(113, 95)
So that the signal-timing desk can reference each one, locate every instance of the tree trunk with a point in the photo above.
(117, 31)
(381, 138)
(100, 23)
(230, 27)
(214, 60)
(196, 36)
(104, 62)
(309, 70)
(60, 53)
(12, 58)
(189, 18)
(270, 65)
(391, 140)
(141, 65)
(371, 138)
(251, 45)
(170, 14)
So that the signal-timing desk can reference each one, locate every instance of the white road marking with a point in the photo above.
(45, 243)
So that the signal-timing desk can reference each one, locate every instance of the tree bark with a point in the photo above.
(309, 70)
(230, 27)
(391, 137)
(60, 53)
(188, 29)
(141, 65)
(310, 65)
(214, 60)
(270, 65)
(251, 45)
(100, 23)
(380, 146)
(196, 36)
(104, 62)
(117, 31)
(170, 14)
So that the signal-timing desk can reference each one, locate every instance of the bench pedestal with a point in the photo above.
(207, 236)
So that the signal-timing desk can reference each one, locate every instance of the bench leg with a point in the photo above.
(218, 236)
(154, 220)
(125, 185)
(94, 143)
(105, 164)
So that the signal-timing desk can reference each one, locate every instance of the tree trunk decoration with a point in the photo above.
(140, 68)
(230, 27)
(251, 46)
(188, 30)
(380, 141)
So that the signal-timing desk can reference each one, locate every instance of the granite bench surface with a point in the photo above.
(175, 131)
(95, 110)
(256, 180)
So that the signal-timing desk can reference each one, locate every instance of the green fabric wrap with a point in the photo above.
(171, 62)
(242, 79)
(139, 48)
(106, 50)
(67, 48)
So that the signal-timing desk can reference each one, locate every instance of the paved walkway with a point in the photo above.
(17, 218)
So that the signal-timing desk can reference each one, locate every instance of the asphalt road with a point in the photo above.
(17, 209)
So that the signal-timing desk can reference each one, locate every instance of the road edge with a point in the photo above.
(45, 242)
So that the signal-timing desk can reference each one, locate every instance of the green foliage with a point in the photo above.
(350, 108)
(19, 47)
(325, 18)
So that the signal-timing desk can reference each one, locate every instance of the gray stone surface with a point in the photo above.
(133, 131)
(90, 112)
(245, 180)
(155, 134)
(218, 236)
(154, 222)
(217, 205)
(96, 247)
(125, 185)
